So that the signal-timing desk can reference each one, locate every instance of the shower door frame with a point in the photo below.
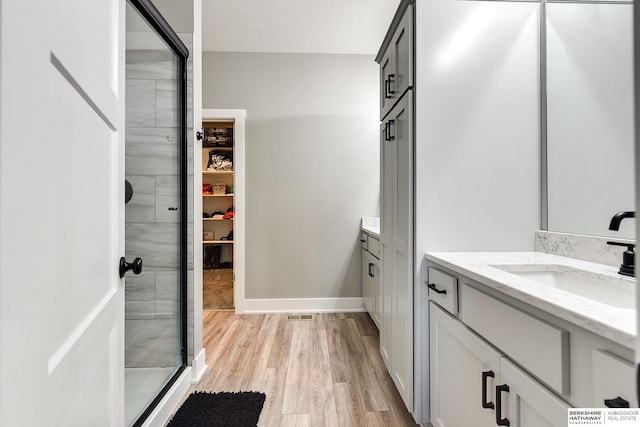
(155, 19)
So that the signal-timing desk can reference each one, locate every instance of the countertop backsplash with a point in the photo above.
(579, 246)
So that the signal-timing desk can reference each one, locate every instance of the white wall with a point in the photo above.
(179, 14)
(312, 165)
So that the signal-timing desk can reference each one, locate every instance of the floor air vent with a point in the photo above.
(300, 317)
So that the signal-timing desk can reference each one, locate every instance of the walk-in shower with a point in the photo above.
(155, 215)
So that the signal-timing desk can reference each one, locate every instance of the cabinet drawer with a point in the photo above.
(613, 377)
(531, 342)
(364, 241)
(373, 246)
(443, 289)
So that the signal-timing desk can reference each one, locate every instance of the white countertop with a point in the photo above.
(371, 225)
(614, 323)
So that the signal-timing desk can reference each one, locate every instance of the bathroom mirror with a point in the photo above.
(589, 104)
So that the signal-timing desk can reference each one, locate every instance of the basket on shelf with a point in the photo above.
(218, 137)
(219, 188)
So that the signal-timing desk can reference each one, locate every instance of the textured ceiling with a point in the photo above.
(296, 26)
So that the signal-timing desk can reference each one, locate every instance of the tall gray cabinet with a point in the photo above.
(397, 214)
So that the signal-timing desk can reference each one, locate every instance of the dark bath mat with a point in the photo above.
(202, 409)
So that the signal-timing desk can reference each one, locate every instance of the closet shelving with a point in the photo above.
(218, 140)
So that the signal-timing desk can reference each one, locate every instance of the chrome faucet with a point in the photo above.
(628, 257)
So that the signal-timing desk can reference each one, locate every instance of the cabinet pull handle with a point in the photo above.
(438, 291)
(388, 92)
(387, 131)
(485, 403)
(371, 269)
(499, 420)
(363, 240)
(618, 402)
(391, 136)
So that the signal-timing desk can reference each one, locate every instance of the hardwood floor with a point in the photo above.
(326, 371)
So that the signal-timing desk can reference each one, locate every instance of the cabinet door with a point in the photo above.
(402, 46)
(613, 377)
(527, 403)
(461, 368)
(401, 135)
(387, 194)
(387, 72)
(396, 341)
(396, 66)
(368, 289)
(377, 289)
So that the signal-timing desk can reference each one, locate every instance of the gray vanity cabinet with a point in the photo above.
(466, 373)
(482, 340)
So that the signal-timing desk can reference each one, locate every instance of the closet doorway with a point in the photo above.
(222, 232)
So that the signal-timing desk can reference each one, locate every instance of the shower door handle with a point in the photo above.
(136, 266)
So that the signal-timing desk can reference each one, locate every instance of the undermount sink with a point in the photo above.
(605, 289)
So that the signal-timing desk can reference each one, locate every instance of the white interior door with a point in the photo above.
(61, 212)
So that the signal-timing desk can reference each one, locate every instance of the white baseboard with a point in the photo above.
(303, 305)
(198, 367)
(170, 401)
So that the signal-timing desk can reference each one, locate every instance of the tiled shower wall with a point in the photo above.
(151, 229)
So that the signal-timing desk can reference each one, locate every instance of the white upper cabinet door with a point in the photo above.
(61, 212)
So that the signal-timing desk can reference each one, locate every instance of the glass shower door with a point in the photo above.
(153, 318)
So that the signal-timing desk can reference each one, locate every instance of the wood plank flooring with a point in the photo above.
(326, 371)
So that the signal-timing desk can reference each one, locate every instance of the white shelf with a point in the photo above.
(217, 242)
(218, 148)
(217, 172)
(218, 195)
(217, 219)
